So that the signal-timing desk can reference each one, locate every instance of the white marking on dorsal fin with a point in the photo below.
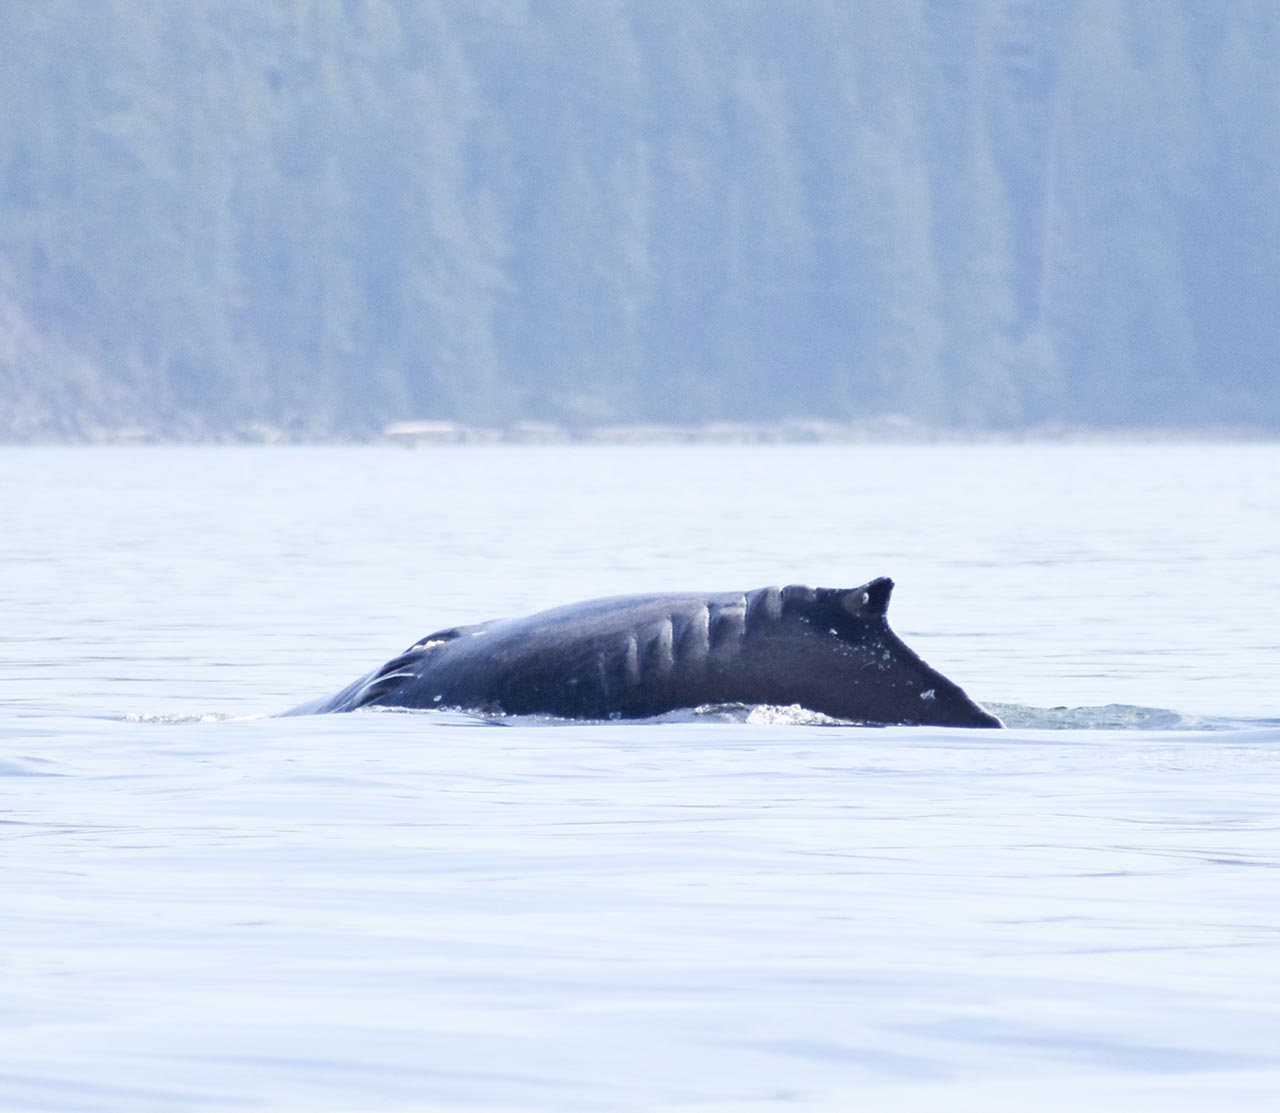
(765, 605)
(602, 674)
(695, 639)
(871, 600)
(663, 646)
(439, 637)
(404, 674)
(728, 627)
(632, 659)
(771, 603)
(798, 593)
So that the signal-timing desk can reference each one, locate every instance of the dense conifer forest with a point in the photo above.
(324, 215)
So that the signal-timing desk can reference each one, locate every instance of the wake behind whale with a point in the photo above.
(828, 650)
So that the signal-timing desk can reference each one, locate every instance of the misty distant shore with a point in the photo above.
(635, 221)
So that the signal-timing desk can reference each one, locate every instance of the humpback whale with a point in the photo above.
(829, 650)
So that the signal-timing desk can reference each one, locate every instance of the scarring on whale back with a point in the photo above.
(827, 649)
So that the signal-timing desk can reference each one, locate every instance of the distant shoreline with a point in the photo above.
(431, 433)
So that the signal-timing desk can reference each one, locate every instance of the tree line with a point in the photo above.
(327, 214)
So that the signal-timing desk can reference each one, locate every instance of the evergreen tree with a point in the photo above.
(328, 214)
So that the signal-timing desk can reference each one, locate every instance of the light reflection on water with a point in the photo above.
(392, 912)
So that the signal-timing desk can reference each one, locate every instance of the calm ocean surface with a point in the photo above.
(208, 909)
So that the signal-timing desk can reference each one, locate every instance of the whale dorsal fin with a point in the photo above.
(871, 600)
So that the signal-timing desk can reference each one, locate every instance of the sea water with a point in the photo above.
(205, 908)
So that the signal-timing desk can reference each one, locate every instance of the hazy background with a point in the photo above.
(324, 215)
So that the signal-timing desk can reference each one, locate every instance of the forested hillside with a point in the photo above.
(328, 214)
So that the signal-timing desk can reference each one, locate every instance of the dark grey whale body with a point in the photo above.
(826, 649)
